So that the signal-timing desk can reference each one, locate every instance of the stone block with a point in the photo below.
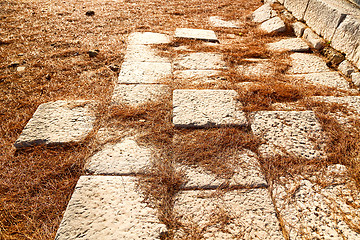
(250, 214)
(207, 108)
(273, 25)
(255, 67)
(334, 57)
(199, 34)
(352, 103)
(199, 76)
(137, 94)
(108, 207)
(144, 72)
(289, 133)
(59, 122)
(290, 44)
(346, 68)
(297, 7)
(328, 79)
(299, 28)
(139, 38)
(355, 78)
(143, 53)
(314, 40)
(307, 63)
(216, 21)
(200, 61)
(263, 13)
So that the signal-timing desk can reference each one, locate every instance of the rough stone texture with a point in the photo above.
(355, 78)
(144, 72)
(200, 34)
(273, 25)
(329, 79)
(351, 102)
(200, 61)
(263, 13)
(297, 7)
(323, 17)
(58, 122)
(108, 207)
(347, 39)
(216, 21)
(299, 28)
(143, 53)
(136, 94)
(314, 40)
(334, 57)
(307, 63)
(250, 213)
(255, 67)
(290, 133)
(138, 38)
(199, 76)
(290, 44)
(246, 169)
(207, 108)
(123, 158)
(346, 68)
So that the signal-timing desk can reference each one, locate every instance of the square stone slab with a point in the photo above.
(58, 122)
(108, 207)
(200, 34)
(307, 63)
(144, 72)
(289, 44)
(255, 67)
(138, 38)
(199, 76)
(123, 158)
(216, 21)
(328, 79)
(207, 108)
(249, 214)
(143, 53)
(136, 94)
(200, 61)
(289, 133)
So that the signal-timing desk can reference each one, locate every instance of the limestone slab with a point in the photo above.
(355, 78)
(289, 133)
(207, 108)
(273, 25)
(263, 13)
(123, 158)
(297, 7)
(255, 67)
(329, 79)
(143, 53)
(200, 61)
(250, 214)
(216, 21)
(136, 94)
(307, 63)
(198, 76)
(144, 72)
(58, 122)
(314, 40)
(346, 68)
(200, 34)
(289, 44)
(299, 28)
(139, 38)
(108, 207)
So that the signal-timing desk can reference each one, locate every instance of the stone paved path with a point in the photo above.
(106, 203)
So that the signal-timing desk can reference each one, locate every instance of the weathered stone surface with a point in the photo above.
(143, 53)
(289, 133)
(136, 94)
(299, 28)
(307, 63)
(200, 34)
(138, 38)
(263, 13)
(273, 25)
(255, 67)
(144, 72)
(207, 108)
(250, 214)
(329, 79)
(314, 40)
(58, 122)
(290, 44)
(334, 57)
(123, 158)
(199, 76)
(355, 78)
(200, 61)
(346, 68)
(247, 173)
(216, 21)
(351, 102)
(297, 7)
(108, 207)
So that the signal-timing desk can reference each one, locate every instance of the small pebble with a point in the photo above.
(93, 53)
(90, 13)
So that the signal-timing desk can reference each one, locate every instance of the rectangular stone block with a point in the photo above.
(143, 53)
(307, 63)
(273, 25)
(139, 38)
(58, 122)
(207, 108)
(200, 34)
(297, 7)
(200, 61)
(314, 40)
(108, 207)
(216, 21)
(199, 76)
(289, 44)
(328, 79)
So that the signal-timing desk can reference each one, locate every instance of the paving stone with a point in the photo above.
(250, 215)
(207, 108)
(200, 61)
(255, 67)
(199, 76)
(273, 25)
(216, 21)
(139, 38)
(123, 158)
(314, 40)
(136, 94)
(58, 122)
(200, 34)
(263, 13)
(290, 44)
(351, 102)
(329, 79)
(355, 78)
(307, 63)
(108, 207)
(346, 68)
(290, 133)
(299, 28)
(297, 7)
(143, 53)
(144, 72)
(247, 173)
